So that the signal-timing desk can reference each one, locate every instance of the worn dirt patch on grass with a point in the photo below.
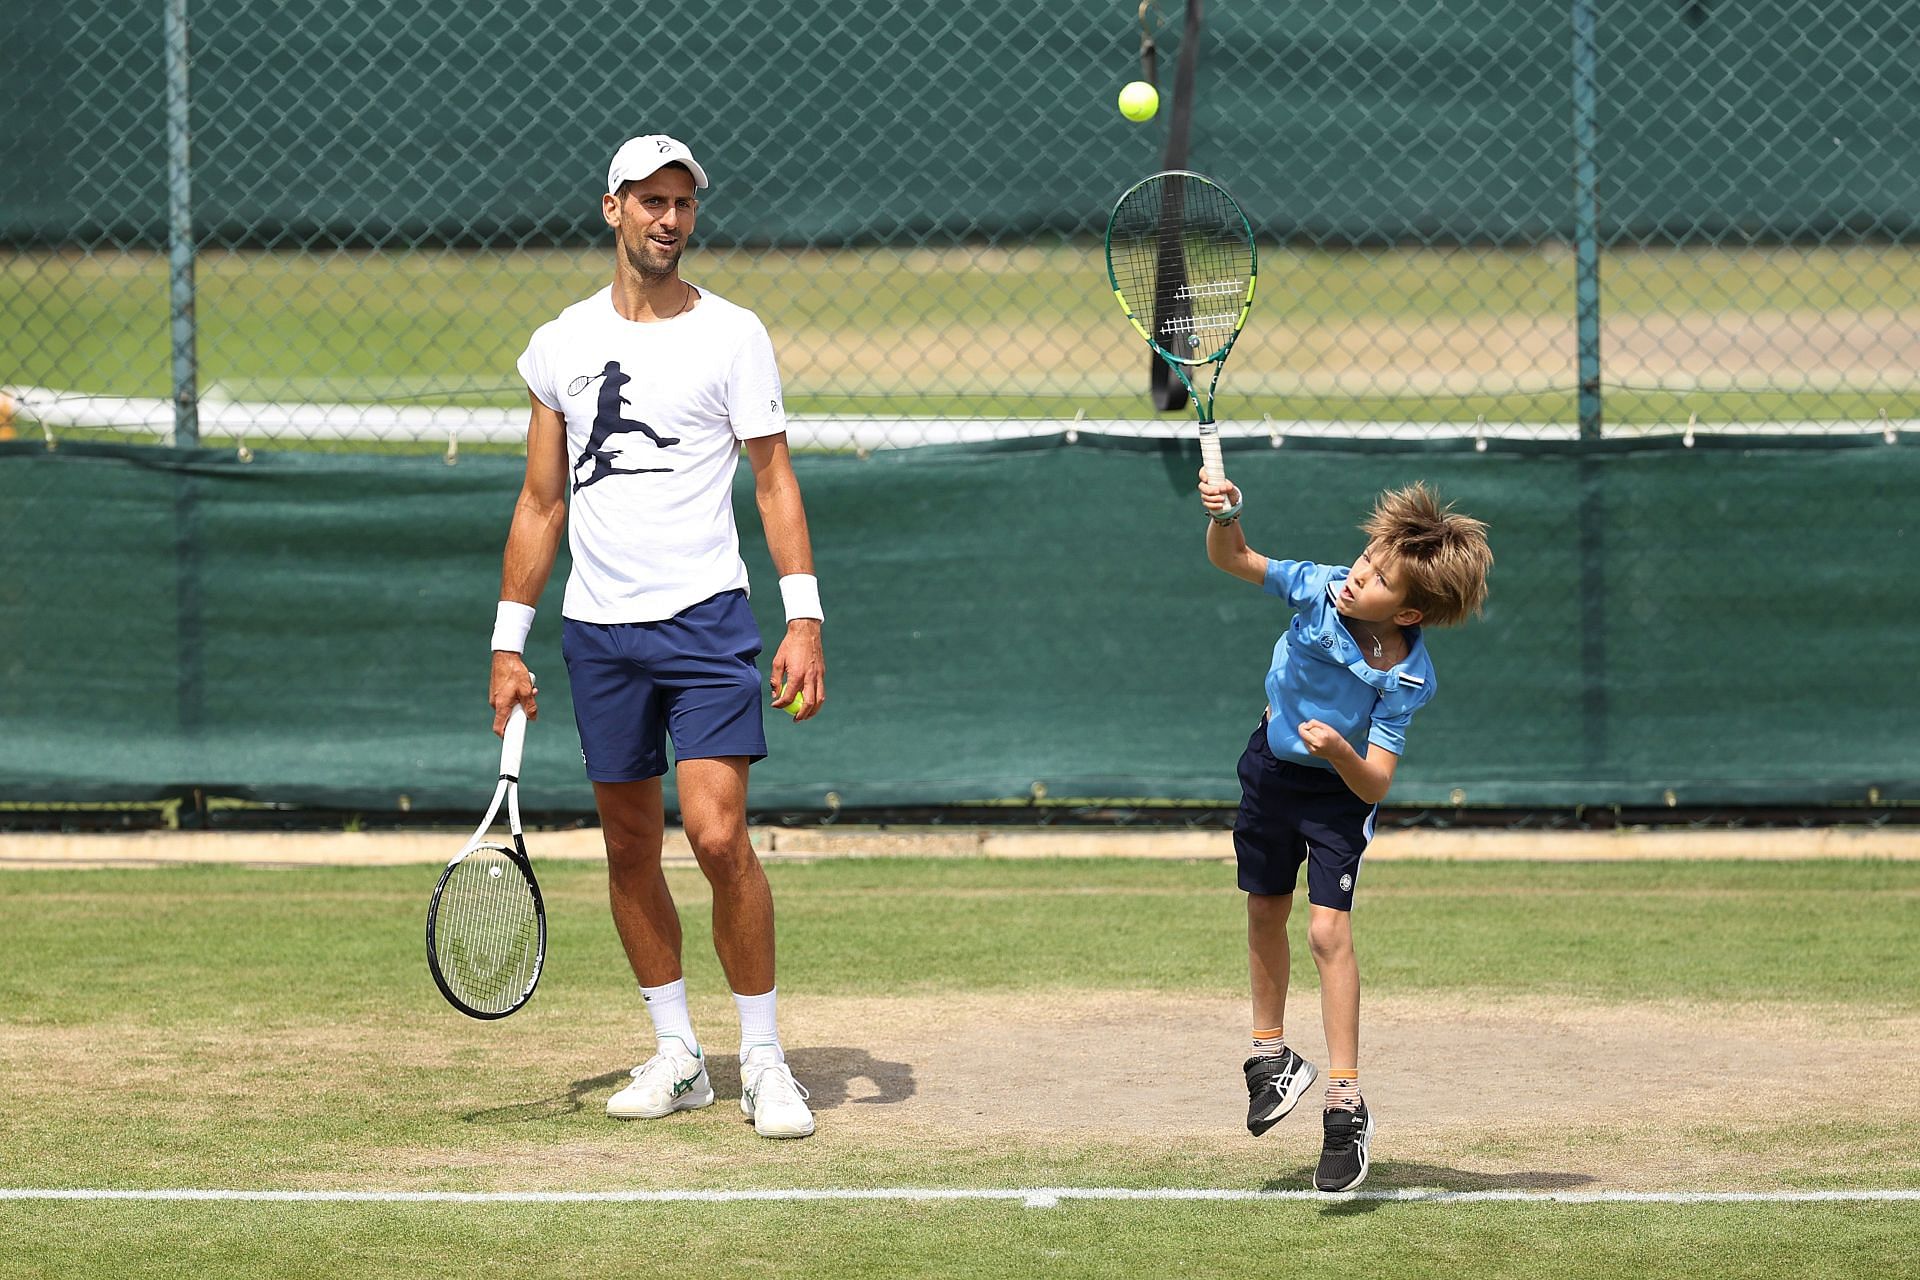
(1433, 1069)
(1071, 1086)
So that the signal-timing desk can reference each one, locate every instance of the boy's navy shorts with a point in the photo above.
(1293, 813)
(691, 677)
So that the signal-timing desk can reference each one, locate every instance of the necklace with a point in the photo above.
(686, 301)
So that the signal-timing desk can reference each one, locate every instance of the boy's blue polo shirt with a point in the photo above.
(1319, 673)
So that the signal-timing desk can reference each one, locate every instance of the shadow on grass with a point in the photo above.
(560, 1104)
(1405, 1175)
(835, 1077)
(830, 1074)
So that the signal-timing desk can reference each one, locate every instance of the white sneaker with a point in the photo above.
(671, 1080)
(772, 1098)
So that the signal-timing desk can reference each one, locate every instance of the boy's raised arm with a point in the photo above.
(1226, 545)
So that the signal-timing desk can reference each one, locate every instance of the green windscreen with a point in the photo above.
(1731, 624)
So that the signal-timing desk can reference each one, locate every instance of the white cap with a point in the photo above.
(640, 157)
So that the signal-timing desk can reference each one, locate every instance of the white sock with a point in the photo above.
(667, 1006)
(757, 1028)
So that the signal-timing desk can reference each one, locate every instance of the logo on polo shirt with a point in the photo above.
(1326, 642)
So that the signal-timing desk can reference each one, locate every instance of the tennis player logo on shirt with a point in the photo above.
(608, 422)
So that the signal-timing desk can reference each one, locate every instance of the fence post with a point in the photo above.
(186, 397)
(189, 658)
(1586, 294)
(1586, 217)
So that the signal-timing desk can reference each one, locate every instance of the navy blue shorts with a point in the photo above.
(691, 677)
(1293, 813)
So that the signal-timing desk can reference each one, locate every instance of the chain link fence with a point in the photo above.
(1470, 213)
(1577, 236)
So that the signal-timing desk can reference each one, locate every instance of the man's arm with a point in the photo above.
(800, 660)
(539, 518)
(1369, 777)
(1226, 544)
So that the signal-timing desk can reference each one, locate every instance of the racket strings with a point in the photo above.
(487, 931)
(1181, 246)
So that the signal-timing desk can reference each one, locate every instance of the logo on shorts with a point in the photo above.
(1346, 884)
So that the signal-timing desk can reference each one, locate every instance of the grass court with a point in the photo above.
(973, 1025)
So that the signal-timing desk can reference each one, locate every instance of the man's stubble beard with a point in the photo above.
(639, 259)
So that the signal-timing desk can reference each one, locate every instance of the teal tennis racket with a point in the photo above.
(1181, 260)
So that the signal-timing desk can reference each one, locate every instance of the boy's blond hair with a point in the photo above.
(1443, 555)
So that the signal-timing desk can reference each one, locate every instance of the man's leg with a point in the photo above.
(632, 820)
(675, 1078)
(713, 805)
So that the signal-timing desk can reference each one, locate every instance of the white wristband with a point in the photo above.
(511, 622)
(800, 592)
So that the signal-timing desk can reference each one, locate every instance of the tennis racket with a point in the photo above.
(487, 924)
(1181, 260)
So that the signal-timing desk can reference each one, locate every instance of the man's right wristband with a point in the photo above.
(511, 622)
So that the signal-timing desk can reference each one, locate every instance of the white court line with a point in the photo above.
(1030, 1197)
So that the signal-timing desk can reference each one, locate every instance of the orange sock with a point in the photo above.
(1270, 1043)
(1343, 1090)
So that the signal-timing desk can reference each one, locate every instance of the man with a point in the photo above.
(658, 638)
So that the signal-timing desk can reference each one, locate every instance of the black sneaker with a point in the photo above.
(1343, 1157)
(1275, 1086)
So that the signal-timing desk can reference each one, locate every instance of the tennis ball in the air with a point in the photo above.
(1139, 100)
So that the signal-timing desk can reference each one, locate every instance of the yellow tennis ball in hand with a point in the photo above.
(798, 705)
(1139, 100)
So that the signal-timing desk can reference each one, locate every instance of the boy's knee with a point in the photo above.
(1330, 936)
(1267, 908)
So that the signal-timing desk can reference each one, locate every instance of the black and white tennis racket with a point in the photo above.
(487, 924)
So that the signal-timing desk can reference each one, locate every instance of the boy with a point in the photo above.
(1345, 681)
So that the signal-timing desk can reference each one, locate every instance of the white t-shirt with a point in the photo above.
(655, 414)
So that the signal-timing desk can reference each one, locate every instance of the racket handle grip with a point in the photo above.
(1210, 460)
(512, 741)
